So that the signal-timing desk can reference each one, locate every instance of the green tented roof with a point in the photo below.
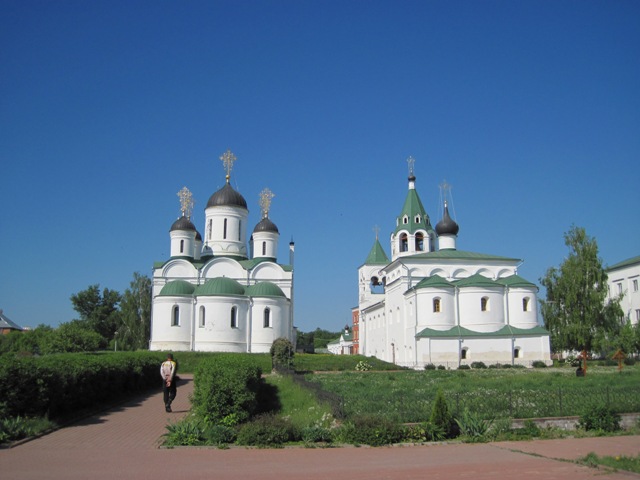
(220, 286)
(458, 332)
(624, 263)
(265, 289)
(411, 208)
(177, 288)
(376, 255)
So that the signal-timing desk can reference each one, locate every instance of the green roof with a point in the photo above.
(177, 288)
(376, 255)
(506, 331)
(476, 280)
(413, 207)
(220, 286)
(625, 263)
(434, 281)
(265, 289)
(246, 264)
(515, 281)
(451, 254)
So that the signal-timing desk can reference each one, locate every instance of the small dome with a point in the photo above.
(266, 225)
(177, 288)
(183, 223)
(447, 226)
(220, 286)
(265, 289)
(226, 196)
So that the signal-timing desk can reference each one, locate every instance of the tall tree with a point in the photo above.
(135, 314)
(576, 311)
(98, 309)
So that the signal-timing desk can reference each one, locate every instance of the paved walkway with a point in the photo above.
(122, 443)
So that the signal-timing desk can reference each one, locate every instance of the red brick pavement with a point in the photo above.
(122, 443)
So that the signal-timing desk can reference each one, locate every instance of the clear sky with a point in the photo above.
(529, 109)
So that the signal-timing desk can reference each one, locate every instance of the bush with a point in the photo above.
(282, 352)
(539, 364)
(441, 416)
(441, 367)
(226, 390)
(316, 434)
(429, 366)
(464, 367)
(473, 426)
(600, 417)
(478, 365)
(425, 432)
(187, 432)
(219, 435)
(363, 366)
(266, 431)
(629, 361)
(370, 430)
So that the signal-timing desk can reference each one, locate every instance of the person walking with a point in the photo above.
(168, 373)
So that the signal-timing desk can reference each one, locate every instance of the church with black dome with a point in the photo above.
(213, 294)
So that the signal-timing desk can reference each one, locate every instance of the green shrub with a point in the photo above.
(316, 434)
(363, 366)
(266, 431)
(219, 435)
(539, 364)
(282, 352)
(478, 365)
(441, 367)
(600, 417)
(187, 432)
(226, 390)
(429, 366)
(473, 426)
(424, 432)
(370, 430)
(441, 416)
(629, 361)
(464, 367)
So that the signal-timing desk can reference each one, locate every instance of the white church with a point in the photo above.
(434, 304)
(212, 294)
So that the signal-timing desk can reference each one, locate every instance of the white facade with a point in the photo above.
(210, 296)
(623, 279)
(434, 304)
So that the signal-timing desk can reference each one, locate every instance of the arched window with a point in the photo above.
(264, 248)
(484, 304)
(404, 243)
(436, 305)
(175, 316)
(267, 318)
(516, 352)
(209, 229)
(201, 317)
(405, 220)
(419, 242)
(525, 304)
(417, 219)
(234, 317)
(463, 353)
(181, 246)
(224, 229)
(239, 230)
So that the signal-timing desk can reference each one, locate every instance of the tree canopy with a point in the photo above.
(576, 310)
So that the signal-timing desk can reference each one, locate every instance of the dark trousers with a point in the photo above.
(169, 392)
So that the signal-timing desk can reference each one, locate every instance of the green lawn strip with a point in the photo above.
(619, 462)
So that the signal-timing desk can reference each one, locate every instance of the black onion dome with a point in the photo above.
(447, 226)
(226, 196)
(183, 223)
(266, 225)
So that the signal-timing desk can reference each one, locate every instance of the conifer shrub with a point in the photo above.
(282, 352)
(441, 416)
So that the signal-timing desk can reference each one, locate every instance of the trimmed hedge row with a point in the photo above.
(226, 389)
(56, 385)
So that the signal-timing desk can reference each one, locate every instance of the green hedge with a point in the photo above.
(56, 385)
(226, 389)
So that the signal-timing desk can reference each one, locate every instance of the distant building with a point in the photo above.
(215, 295)
(343, 345)
(7, 326)
(434, 304)
(623, 279)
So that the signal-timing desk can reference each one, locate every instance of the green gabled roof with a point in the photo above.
(220, 286)
(475, 280)
(411, 208)
(177, 288)
(457, 332)
(265, 289)
(624, 263)
(434, 281)
(376, 255)
(515, 281)
(451, 254)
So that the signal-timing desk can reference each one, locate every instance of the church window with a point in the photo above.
(419, 242)
(224, 229)
(635, 285)
(417, 219)
(234, 317)
(264, 248)
(484, 304)
(201, 319)
(181, 246)
(463, 353)
(209, 229)
(239, 229)
(404, 243)
(525, 304)
(267, 318)
(436, 305)
(516, 352)
(405, 220)
(175, 316)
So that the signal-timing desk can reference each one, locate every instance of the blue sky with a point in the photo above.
(529, 109)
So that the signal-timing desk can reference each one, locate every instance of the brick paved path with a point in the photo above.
(122, 443)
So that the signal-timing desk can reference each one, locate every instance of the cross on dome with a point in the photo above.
(228, 159)
(266, 196)
(186, 202)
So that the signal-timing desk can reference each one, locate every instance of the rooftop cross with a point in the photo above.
(265, 201)
(376, 229)
(411, 161)
(228, 159)
(186, 202)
